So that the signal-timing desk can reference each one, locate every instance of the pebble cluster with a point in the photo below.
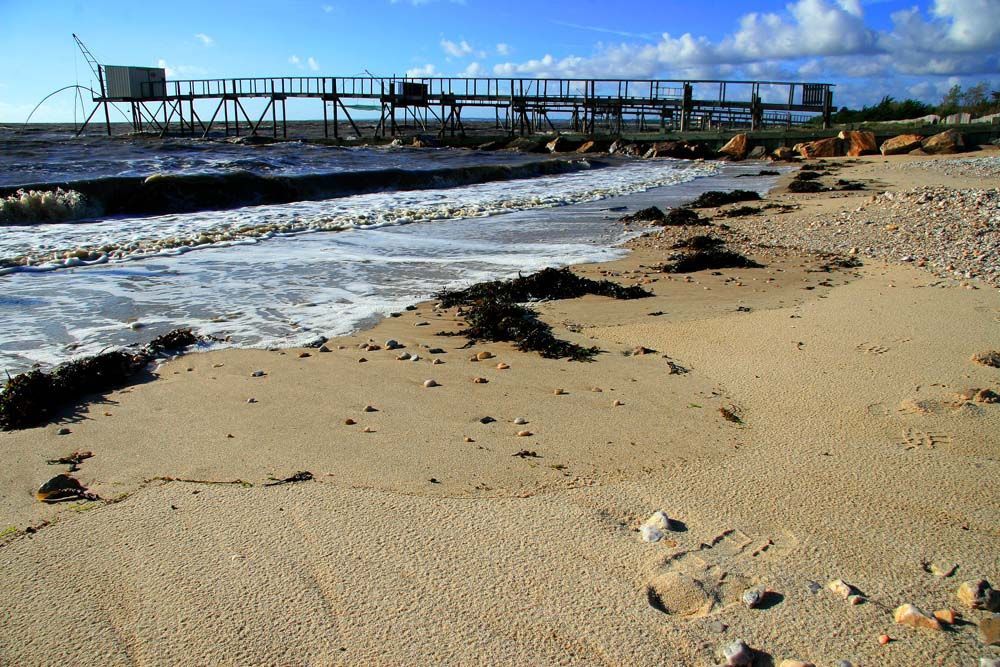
(954, 233)
(977, 167)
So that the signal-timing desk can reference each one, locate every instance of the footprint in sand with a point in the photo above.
(920, 406)
(914, 439)
(696, 582)
(871, 348)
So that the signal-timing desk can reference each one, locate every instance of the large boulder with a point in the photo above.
(737, 147)
(679, 150)
(621, 147)
(832, 147)
(784, 154)
(587, 147)
(757, 153)
(560, 145)
(858, 142)
(904, 143)
(949, 141)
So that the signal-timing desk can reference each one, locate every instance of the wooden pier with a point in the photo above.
(436, 105)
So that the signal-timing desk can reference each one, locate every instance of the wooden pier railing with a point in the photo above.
(520, 105)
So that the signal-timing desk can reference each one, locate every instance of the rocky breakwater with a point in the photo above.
(943, 143)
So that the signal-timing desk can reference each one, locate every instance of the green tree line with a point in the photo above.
(979, 100)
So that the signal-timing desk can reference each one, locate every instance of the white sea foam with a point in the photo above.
(27, 206)
(125, 239)
(300, 286)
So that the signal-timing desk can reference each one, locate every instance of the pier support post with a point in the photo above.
(686, 107)
(827, 108)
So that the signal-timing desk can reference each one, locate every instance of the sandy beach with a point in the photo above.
(799, 423)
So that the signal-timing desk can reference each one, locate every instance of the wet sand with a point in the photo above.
(430, 539)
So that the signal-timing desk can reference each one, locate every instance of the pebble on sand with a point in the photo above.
(304, 355)
(478, 380)
(841, 588)
(884, 639)
(484, 355)
(437, 362)
(362, 360)
(368, 429)
(524, 434)
(913, 616)
(431, 383)
(989, 630)
(502, 366)
(942, 571)
(63, 431)
(60, 486)
(349, 422)
(978, 594)
(405, 356)
(370, 408)
(616, 403)
(520, 421)
(468, 439)
(795, 663)
(753, 597)
(946, 616)
(559, 392)
(251, 400)
(392, 344)
(737, 654)
(596, 390)
(654, 527)
(989, 358)
(258, 374)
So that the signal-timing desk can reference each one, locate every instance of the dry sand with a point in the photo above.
(854, 459)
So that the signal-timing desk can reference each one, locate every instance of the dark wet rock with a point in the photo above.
(63, 487)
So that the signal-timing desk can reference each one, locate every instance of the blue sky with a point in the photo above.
(869, 48)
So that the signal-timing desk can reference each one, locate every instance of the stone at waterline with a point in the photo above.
(737, 148)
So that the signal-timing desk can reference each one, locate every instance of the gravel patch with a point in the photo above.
(953, 233)
(977, 167)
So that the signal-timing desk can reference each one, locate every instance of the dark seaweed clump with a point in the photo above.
(806, 175)
(493, 310)
(699, 242)
(30, 399)
(495, 320)
(652, 214)
(802, 187)
(706, 252)
(682, 217)
(716, 198)
(546, 284)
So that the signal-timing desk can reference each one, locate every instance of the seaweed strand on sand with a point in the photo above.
(30, 399)
(493, 310)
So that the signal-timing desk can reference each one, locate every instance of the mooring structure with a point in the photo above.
(437, 104)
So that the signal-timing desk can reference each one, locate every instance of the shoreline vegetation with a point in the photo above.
(781, 455)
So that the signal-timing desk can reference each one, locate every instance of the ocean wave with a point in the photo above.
(28, 205)
(161, 194)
